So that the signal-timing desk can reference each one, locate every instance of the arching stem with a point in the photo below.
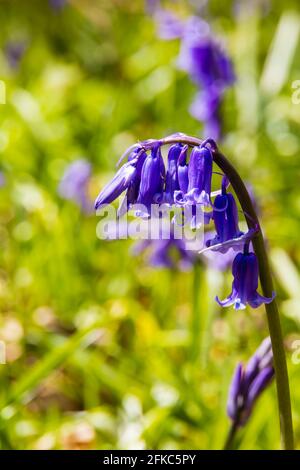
(281, 373)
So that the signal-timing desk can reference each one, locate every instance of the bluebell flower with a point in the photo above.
(206, 62)
(143, 179)
(74, 184)
(169, 26)
(199, 178)
(210, 68)
(249, 382)
(206, 108)
(122, 180)
(182, 171)
(138, 156)
(203, 58)
(14, 51)
(197, 197)
(245, 283)
(172, 182)
(152, 181)
(225, 217)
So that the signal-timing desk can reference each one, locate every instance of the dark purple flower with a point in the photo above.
(245, 283)
(206, 108)
(182, 170)
(249, 382)
(206, 62)
(203, 58)
(74, 183)
(124, 177)
(172, 183)
(225, 217)
(14, 51)
(199, 178)
(152, 181)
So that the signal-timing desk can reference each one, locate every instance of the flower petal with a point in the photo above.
(117, 185)
(256, 299)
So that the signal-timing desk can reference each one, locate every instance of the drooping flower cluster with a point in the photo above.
(186, 182)
(74, 184)
(147, 182)
(206, 62)
(249, 382)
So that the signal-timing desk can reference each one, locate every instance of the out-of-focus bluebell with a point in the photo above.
(199, 176)
(206, 108)
(205, 60)
(2, 179)
(203, 57)
(168, 252)
(213, 259)
(14, 51)
(74, 184)
(249, 382)
(169, 26)
(57, 4)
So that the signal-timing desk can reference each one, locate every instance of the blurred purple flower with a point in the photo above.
(214, 260)
(203, 58)
(152, 6)
(206, 108)
(245, 283)
(249, 382)
(152, 181)
(169, 26)
(74, 184)
(199, 176)
(206, 62)
(2, 179)
(172, 184)
(166, 252)
(14, 51)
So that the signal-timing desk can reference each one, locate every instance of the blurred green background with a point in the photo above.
(98, 343)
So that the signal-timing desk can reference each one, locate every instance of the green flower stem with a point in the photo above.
(196, 327)
(281, 373)
(231, 437)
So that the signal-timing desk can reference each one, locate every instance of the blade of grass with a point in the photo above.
(51, 361)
